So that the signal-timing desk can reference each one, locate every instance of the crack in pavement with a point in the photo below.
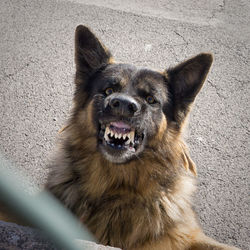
(216, 89)
(178, 34)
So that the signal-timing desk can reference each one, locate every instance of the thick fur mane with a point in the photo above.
(137, 194)
(153, 189)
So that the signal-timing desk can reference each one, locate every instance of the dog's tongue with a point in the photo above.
(120, 125)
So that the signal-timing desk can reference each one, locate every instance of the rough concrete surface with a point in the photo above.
(15, 237)
(36, 86)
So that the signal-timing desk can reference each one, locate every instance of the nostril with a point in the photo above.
(115, 103)
(133, 107)
(123, 105)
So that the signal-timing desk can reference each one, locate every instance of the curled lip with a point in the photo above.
(120, 124)
(120, 127)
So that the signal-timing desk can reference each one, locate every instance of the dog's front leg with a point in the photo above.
(200, 242)
(203, 242)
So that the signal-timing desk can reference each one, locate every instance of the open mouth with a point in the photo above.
(119, 135)
(120, 139)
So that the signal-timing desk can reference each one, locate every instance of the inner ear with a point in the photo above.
(90, 53)
(185, 81)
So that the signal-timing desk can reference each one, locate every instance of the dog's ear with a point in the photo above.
(184, 82)
(90, 54)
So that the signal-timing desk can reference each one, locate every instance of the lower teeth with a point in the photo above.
(127, 142)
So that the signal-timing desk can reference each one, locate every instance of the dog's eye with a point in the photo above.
(109, 91)
(150, 99)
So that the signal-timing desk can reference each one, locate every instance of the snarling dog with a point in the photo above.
(123, 168)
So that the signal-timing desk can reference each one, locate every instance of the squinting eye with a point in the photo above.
(150, 99)
(109, 91)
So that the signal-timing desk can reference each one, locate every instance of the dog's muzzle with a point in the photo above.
(121, 105)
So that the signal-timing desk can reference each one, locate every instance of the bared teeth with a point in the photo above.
(129, 137)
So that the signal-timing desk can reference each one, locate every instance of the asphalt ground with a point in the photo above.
(36, 86)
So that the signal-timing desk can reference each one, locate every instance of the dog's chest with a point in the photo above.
(123, 221)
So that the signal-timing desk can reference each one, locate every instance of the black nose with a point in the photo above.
(123, 105)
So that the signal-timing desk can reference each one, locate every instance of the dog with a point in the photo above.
(123, 167)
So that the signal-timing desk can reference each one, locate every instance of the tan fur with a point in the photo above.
(158, 218)
(161, 131)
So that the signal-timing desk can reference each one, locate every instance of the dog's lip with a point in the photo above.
(120, 125)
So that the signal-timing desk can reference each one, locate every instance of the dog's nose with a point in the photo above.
(123, 105)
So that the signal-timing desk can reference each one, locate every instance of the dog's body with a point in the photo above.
(123, 167)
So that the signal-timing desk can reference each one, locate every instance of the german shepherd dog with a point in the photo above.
(123, 167)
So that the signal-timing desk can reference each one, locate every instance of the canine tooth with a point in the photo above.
(106, 135)
(128, 135)
(128, 141)
(132, 136)
(107, 130)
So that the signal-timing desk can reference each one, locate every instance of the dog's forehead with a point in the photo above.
(128, 75)
(148, 80)
(120, 73)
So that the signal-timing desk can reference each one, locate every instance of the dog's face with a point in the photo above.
(128, 105)
(131, 107)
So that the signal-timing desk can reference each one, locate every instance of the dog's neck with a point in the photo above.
(136, 175)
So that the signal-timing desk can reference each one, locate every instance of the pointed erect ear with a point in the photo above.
(185, 81)
(90, 54)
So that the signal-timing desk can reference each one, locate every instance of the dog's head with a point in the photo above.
(129, 108)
